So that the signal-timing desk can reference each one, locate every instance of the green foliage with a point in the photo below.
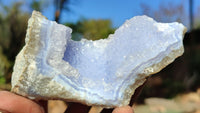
(36, 5)
(92, 29)
(197, 24)
(5, 64)
(4, 67)
(39, 5)
(13, 24)
(2, 80)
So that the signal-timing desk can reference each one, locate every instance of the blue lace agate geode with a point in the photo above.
(105, 72)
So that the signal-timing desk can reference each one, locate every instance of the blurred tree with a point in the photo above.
(92, 29)
(166, 12)
(16, 23)
(60, 6)
(4, 66)
(36, 5)
(191, 13)
(197, 19)
(39, 5)
(13, 24)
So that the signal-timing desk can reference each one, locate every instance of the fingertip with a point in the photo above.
(17, 104)
(124, 109)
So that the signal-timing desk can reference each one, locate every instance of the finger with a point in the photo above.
(95, 109)
(125, 109)
(17, 104)
(77, 108)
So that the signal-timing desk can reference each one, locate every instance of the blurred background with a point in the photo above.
(176, 89)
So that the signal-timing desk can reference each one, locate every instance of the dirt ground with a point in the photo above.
(184, 103)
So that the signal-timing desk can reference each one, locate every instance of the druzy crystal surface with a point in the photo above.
(104, 72)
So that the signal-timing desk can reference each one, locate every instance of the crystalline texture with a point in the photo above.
(105, 72)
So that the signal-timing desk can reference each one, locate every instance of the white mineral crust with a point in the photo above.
(105, 72)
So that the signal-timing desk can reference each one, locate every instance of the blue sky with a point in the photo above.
(116, 10)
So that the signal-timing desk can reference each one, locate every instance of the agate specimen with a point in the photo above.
(104, 72)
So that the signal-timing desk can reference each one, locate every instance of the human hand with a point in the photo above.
(125, 109)
(12, 103)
